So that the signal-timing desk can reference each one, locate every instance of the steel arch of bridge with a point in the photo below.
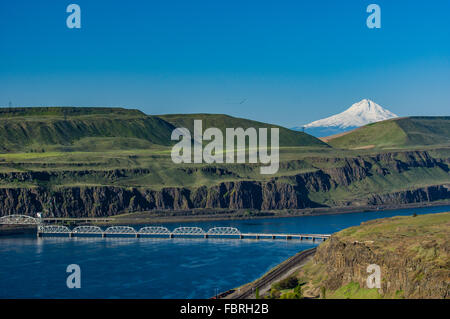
(188, 231)
(120, 230)
(54, 229)
(18, 220)
(223, 231)
(87, 230)
(154, 230)
(226, 232)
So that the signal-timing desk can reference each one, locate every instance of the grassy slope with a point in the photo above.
(397, 133)
(71, 129)
(94, 129)
(163, 172)
(102, 139)
(221, 121)
(377, 184)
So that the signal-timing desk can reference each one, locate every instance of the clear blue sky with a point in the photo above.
(284, 62)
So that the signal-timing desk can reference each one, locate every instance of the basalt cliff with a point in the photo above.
(332, 182)
(412, 253)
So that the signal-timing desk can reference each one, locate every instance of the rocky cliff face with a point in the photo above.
(291, 192)
(107, 201)
(425, 194)
(347, 262)
(412, 253)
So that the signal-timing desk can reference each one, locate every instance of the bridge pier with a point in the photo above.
(206, 236)
(70, 234)
(137, 235)
(103, 235)
(171, 236)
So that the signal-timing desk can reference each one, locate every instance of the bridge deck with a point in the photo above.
(155, 231)
(191, 235)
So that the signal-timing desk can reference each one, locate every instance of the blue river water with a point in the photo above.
(33, 267)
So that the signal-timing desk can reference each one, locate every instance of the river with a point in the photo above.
(33, 267)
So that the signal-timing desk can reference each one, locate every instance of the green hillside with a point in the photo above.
(37, 129)
(397, 133)
(111, 161)
(70, 128)
(221, 121)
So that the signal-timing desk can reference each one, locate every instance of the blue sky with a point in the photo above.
(284, 62)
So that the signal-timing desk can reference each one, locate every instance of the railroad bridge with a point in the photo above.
(149, 231)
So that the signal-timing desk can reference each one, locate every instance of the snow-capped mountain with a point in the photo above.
(359, 114)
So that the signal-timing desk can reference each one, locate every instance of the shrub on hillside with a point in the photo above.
(287, 283)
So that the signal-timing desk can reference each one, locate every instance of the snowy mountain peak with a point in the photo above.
(359, 114)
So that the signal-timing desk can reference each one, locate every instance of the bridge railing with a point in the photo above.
(54, 229)
(149, 230)
(87, 230)
(188, 231)
(18, 220)
(223, 231)
(120, 230)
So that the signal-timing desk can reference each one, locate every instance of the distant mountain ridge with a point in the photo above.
(359, 114)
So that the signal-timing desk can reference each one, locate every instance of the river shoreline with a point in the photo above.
(194, 216)
(277, 273)
(160, 217)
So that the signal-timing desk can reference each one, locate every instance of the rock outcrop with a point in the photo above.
(412, 253)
